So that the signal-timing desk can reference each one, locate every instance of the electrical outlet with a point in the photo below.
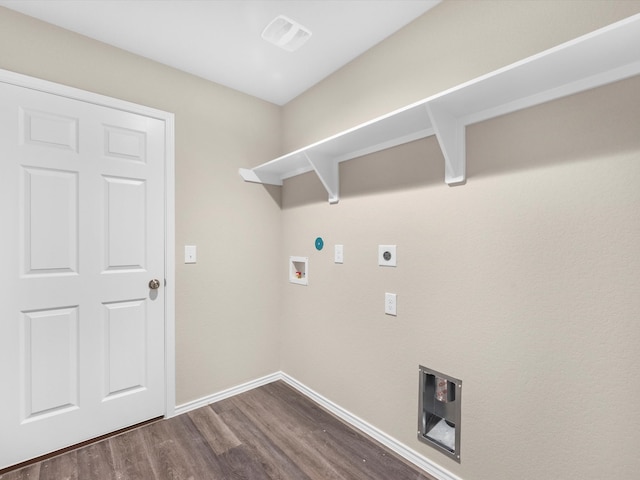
(390, 303)
(387, 255)
(339, 254)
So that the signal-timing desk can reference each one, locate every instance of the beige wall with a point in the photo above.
(523, 282)
(227, 304)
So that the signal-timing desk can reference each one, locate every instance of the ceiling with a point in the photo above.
(220, 40)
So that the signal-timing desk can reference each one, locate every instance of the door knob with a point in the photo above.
(154, 284)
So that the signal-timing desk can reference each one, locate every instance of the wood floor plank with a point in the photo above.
(130, 459)
(96, 461)
(273, 413)
(62, 467)
(240, 463)
(223, 405)
(217, 434)
(275, 462)
(366, 459)
(283, 432)
(177, 451)
(30, 472)
(349, 463)
(164, 455)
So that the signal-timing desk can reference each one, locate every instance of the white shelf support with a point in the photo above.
(253, 176)
(450, 132)
(327, 171)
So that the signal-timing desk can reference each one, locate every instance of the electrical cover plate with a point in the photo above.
(189, 254)
(387, 255)
(390, 304)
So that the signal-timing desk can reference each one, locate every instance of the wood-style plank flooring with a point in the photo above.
(269, 433)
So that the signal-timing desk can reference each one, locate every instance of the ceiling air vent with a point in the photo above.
(286, 33)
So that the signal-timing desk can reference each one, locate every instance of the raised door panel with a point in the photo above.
(50, 221)
(125, 219)
(49, 362)
(49, 129)
(125, 143)
(125, 348)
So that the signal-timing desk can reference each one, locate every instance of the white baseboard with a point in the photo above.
(391, 443)
(230, 392)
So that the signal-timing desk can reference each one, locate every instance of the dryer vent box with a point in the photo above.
(439, 412)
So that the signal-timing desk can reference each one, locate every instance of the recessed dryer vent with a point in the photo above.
(439, 412)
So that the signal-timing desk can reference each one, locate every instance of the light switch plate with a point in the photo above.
(387, 255)
(189, 254)
(339, 254)
(391, 304)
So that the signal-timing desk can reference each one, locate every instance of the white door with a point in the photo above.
(82, 234)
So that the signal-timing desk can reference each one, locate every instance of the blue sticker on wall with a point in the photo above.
(319, 243)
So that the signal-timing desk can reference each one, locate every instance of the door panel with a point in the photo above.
(50, 362)
(125, 143)
(125, 214)
(48, 129)
(50, 200)
(125, 347)
(82, 218)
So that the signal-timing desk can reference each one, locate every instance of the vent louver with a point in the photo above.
(286, 33)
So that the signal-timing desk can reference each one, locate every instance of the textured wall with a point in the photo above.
(227, 304)
(522, 283)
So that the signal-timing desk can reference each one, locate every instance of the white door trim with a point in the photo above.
(169, 201)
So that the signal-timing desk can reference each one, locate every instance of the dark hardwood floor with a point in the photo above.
(272, 432)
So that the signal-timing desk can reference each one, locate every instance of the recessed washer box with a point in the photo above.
(299, 270)
(387, 255)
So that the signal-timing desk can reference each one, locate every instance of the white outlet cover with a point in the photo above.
(339, 254)
(391, 304)
(388, 260)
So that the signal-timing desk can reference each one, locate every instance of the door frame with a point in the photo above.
(168, 118)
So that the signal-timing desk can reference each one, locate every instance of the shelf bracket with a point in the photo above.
(327, 171)
(450, 132)
(249, 175)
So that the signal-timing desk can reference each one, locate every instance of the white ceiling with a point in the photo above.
(220, 40)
